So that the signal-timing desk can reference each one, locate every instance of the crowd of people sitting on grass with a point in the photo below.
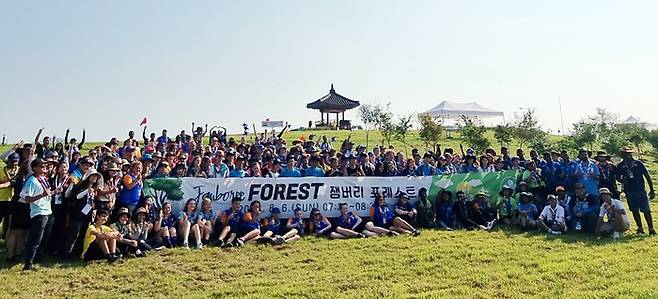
(73, 203)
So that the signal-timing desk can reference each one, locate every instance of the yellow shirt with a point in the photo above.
(5, 193)
(90, 237)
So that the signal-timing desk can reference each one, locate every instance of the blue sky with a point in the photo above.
(103, 65)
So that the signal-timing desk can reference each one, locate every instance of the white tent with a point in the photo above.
(448, 109)
(634, 120)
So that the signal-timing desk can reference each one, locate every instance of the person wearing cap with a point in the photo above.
(551, 218)
(607, 170)
(141, 227)
(426, 168)
(516, 164)
(612, 216)
(126, 244)
(527, 211)
(406, 211)
(100, 240)
(480, 213)
(564, 200)
(132, 187)
(469, 164)
(147, 165)
(80, 203)
(238, 170)
(162, 171)
(585, 172)
(108, 188)
(348, 224)
(291, 170)
(314, 170)
(37, 193)
(83, 167)
(583, 209)
(230, 220)
(632, 174)
(507, 206)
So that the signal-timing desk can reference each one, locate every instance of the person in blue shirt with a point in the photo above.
(168, 222)
(218, 169)
(275, 229)
(445, 211)
(163, 139)
(320, 225)
(296, 223)
(314, 169)
(348, 224)
(290, 171)
(587, 173)
(406, 211)
(584, 210)
(632, 174)
(206, 220)
(238, 171)
(528, 211)
(469, 165)
(230, 220)
(188, 223)
(426, 169)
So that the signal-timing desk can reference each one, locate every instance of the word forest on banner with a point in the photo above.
(325, 194)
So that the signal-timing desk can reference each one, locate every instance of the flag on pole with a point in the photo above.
(143, 122)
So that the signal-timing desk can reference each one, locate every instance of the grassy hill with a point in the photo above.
(470, 264)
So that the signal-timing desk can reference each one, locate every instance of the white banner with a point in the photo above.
(272, 123)
(287, 194)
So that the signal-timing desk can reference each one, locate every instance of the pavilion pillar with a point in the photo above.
(343, 115)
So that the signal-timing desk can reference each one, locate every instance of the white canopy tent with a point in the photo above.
(634, 120)
(451, 112)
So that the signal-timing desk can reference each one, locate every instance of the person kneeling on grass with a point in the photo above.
(230, 220)
(552, 218)
(406, 211)
(617, 218)
(206, 220)
(188, 223)
(126, 244)
(480, 213)
(507, 206)
(320, 225)
(100, 240)
(527, 211)
(348, 225)
(275, 230)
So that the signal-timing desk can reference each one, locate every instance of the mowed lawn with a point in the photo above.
(472, 264)
(436, 264)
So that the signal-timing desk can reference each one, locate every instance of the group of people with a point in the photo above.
(74, 203)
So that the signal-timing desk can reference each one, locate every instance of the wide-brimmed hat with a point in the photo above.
(604, 190)
(123, 211)
(90, 173)
(627, 150)
(481, 193)
(113, 167)
(141, 210)
(505, 187)
(86, 160)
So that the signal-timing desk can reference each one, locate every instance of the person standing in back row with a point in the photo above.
(631, 174)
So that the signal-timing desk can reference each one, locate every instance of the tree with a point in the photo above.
(526, 127)
(473, 134)
(540, 142)
(584, 134)
(503, 134)
(604, 121)
(162, 189)
(370, 115)
(635, 134)
(402, 128)
(652, 138)
(430, 129)
(614, 142)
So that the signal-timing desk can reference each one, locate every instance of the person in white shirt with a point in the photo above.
(551, 218)
(612, 216)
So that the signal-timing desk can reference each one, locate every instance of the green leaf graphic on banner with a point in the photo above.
(472, 183)
(162, 189)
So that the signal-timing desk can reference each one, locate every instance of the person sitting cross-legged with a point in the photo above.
(551, 218)
(612, 216)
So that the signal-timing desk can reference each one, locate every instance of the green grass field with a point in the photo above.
(472, 264)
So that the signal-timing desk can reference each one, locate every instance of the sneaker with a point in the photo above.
(28, 267)
(199, 246)
(362, 236)
(554, 232)
(226, 245)
(278, 240)
(239, 243)
(416, 233)
(392, 233)
(579, 226)
(616, 235)
(140, 254)
(186, 246)
(640, 231)
(652, 232)
(262, 241)
(491, 224)
(159, 248)
(111, 258)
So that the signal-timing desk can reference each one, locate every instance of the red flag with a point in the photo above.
(143, 122)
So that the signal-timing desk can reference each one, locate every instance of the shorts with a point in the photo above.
(326, 233)
(20, 216)
(243, 231)
(93, 253)
(638, 201)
